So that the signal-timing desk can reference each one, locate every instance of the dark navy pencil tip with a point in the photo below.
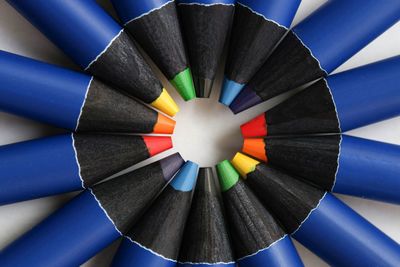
(170, 165)
(245, 100)
(185, 179)
(230, 90)
(203, 86)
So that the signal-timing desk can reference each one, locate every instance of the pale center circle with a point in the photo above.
(207, 132)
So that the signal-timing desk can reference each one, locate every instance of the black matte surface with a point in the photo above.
(126, 197)
(310, 111)
(314, 158)
(288, 198)
(100, 156)
(122, 66)
(205, 30)
(161, 227)
(252, 41)
(252, 226)
(160, 36)
(106, 110)
(289, 66)
(206, 237)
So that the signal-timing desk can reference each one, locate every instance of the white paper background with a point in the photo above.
(206, 132)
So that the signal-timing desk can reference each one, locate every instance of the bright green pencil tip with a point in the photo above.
(228, 176)
(183, 82)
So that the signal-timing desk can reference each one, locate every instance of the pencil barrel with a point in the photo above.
(85, 22)
(368, 169)
(339, 29)
(38, 168)
(366, 94)
(68, 237)
(341, 237)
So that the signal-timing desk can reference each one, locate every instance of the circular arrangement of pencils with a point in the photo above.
(173, 212)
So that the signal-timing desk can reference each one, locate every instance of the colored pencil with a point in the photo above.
(154, 25)
(257, 237)
(69, 162)
(317, 46)
(206, 240)
(335, 104)
(92, 220)
(257, 28)
(319, 220)
(72, 100)
(93, 40)
(155, 239)
(338, 163)
(205, 27)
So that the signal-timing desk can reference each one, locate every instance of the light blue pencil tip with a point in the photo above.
(185, 179)
(230, 90)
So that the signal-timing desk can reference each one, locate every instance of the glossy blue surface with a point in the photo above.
(41, 91)
(129, 10)
(368, 169)
(341, 237)
(38, 168)
(280, 11)
(367, 94)
(82, 29)
(340, 28)
(281, 253)
(68, 237)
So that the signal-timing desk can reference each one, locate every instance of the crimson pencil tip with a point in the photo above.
(157, 144)
(256, 127)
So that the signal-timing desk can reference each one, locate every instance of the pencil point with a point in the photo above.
(166, 104)
(203, 86)
(245, 100)
(255, 147)
(185, 179)
(157, 144)
(164, 125)
(256, 127)
(170, 165)
(228, 176)
(244, 164)
(183, 82)
(230, 90)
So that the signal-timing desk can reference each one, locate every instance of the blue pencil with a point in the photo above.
(94, 41)
(258, 27)
(155, 239)
(319, 220)
(317, 46)
(70, 99)
(92, 220)
(335, 104)
(69, 162)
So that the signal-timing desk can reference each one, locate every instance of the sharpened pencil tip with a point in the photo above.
(244, 164)
(166, 104)
(257, 127)
(245, 100)
(157, 144)
(183, 82)
(228, 176)
(255, 147)
(164, 125)
(186, 178)
(230, 90)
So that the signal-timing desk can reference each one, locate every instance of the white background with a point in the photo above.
(206, 132)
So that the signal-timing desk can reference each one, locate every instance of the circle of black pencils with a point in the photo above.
(171, 212)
